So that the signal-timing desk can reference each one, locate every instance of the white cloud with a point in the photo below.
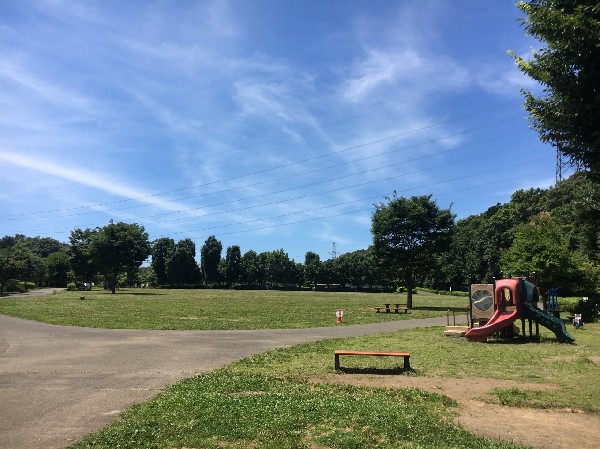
(51, 92)
(405, 71)
(87, 178)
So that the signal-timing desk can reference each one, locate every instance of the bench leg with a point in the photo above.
(406, 363)
(337, 362)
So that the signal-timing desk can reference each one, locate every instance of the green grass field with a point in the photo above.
(281, 399)
(573, 369)
(219, 309)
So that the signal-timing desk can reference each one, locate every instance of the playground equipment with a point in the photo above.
(454, 329)
(552, 302)
(516, 299)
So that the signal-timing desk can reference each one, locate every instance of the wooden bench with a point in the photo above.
(340, 352)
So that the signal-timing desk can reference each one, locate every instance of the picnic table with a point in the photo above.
(388, 309)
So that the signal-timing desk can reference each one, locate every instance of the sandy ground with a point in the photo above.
(543, 429)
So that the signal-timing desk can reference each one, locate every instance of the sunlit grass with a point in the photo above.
(226, 409)
(219, 309)
(571, 369)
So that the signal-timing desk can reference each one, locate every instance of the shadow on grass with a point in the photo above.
(441, 309)
(144, 293)
(375, 371)
(520, 340)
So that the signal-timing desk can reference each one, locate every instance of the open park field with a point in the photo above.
(220, 309)
(459, 394)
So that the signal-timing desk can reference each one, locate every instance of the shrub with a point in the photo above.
(568, 304)
(71, 286)
(12, 285)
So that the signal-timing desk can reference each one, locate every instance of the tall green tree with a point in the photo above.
(57, 269)
(408, 233)
(161, 249)
(119, 248)
(80, 253)
(233, 257)
(280, 269)
(567, 112)
(210, 258)
(181, 267)
(312, 265)
(252, 269)
(9, 267)
(31, 266)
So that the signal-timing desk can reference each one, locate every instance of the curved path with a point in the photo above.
(58, 383)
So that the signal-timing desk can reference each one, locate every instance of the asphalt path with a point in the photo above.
(60, 383)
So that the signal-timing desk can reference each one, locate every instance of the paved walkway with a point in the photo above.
(59, 383)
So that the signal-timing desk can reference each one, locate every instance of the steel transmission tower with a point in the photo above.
(333, 252)
(563, 164)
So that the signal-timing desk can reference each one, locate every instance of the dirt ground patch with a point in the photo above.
(547, 429)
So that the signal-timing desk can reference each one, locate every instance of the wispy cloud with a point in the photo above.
(51, 92)
(85, 177)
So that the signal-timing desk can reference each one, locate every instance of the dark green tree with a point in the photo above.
(57, 269)
(408, 233)
(161, 249)
(312, 265)
(567, 113)
(279, 268)
(252, 270)
(541, 247)
(233, 257)
(181, 267)
(31, 266)
(119, 248)
(210, 258)
(44, 246)
(9, 267)
(82, 262)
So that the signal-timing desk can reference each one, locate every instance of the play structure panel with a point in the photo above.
(483, 301)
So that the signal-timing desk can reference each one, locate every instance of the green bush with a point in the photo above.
(12, 285)
(71, 286)
(568, 304)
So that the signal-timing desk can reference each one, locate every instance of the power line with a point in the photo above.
(387, 138)
(394, 150)
(329, 206)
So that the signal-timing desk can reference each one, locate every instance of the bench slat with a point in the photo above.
(375, 353)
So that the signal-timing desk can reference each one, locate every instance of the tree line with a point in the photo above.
(553, 232)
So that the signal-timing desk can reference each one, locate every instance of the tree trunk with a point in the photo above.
(409, 287)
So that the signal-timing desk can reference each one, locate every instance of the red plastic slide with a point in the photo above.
(500, 320)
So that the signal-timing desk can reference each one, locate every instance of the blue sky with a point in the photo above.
(267, 123)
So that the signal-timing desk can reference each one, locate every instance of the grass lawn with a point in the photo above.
(281, 399)
(286, 398)
(573, 369)
(219, 309)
